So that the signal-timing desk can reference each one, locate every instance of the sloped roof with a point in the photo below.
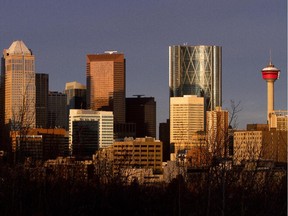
(18, 47)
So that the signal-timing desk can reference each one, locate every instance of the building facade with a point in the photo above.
(93, 123)
(138, 153)
(260, 145)
(76, 95)
(217, 126)
(19, 91)
(196, 70)
(57, 110)
(142, 112)
(42, 89)
(186, 117)
(105, 75)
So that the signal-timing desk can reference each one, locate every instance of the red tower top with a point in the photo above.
(270, 72)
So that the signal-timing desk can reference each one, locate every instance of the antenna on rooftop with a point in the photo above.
(139, 95)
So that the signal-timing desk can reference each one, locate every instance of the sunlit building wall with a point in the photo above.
(260, 145)
(18, 73)
(138, 153)
(186, 117)
(217, 131)
(104, 119)
(105, 75)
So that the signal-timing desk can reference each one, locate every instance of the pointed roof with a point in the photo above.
(18, 47)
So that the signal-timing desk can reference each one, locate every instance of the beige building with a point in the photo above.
(217, 131)
(138, 153)
(106, 83)
(186, 117)
(260, 145)
(19, 82)
(279, 120)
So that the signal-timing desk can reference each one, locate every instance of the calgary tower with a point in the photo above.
(270, 74)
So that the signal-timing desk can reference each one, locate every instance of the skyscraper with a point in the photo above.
(196, 70)
(42, 89)
(57, 110)
(76, 95)
(217, 131)
(186, 117)
(90, 130)
(142, 111)
(18, 73)
(106, 83)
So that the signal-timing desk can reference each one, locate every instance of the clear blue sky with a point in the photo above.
(61, 33)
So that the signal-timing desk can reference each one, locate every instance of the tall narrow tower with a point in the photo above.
(270, 74)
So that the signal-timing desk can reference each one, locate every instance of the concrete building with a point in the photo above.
(142, 112)
(186, 117)
(196, 70)
(138, 153)
(260, 145)
(57, 110)
(42, 89)
(186, 122)
(18, 82)
(164, 136)
(217, 126)
(106, 84)
(279, 120)
(39, 144)
(92, 129)
(76, 95)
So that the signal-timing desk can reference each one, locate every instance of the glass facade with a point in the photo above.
(105, 75)
(196, 70)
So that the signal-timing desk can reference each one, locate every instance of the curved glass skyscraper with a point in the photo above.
(196, 70)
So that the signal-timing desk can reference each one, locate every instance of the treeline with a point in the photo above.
(200, 194)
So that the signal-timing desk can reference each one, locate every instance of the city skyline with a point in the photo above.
(144, 32)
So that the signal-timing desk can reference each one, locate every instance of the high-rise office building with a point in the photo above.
(106, 84)
(142, 112)
(42, 89)
(91, 129)
(217, 131)
(18, 83)
(57, 110)
(196, 70)
(186, 117)
(76, 95)
(164, 136)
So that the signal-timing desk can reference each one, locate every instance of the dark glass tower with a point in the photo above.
(42, 89)
(196, 70)
(142, 112)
